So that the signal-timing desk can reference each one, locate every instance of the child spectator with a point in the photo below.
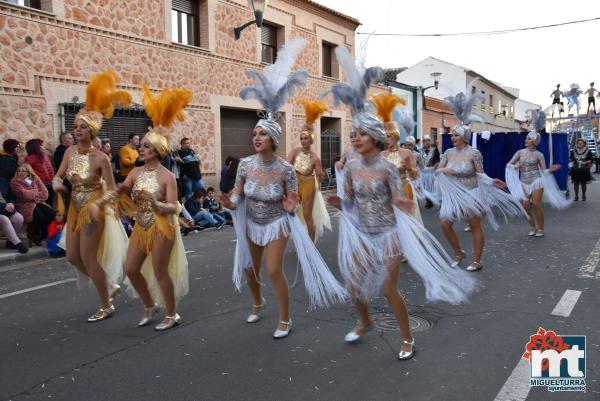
(214, 207)
(55, 230)
(201, 216)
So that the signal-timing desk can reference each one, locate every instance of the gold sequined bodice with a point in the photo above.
(83, 180)
(146, 181)
(303, 164)
(395, 157)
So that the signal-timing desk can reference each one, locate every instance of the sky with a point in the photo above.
(533, 61)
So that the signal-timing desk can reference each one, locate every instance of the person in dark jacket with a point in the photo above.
(189, 168)
(9, 159)
(201, 216)
(228, 179)
(66, 140)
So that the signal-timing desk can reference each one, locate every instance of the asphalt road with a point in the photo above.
(49, 351)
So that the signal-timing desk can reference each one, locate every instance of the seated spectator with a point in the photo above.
(30, 194)
(214, 207)
(201, 216)
(9, 159)
(11, 223)
(127, 225)
(41, 164)
(55, 232)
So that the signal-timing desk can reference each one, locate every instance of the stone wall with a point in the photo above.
(48, 57)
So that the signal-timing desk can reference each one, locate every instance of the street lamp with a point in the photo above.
(259, 9)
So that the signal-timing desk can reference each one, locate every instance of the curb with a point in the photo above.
(8, 258)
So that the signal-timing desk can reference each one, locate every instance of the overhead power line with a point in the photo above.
(497, 32)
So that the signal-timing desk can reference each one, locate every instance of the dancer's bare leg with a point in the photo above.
(536, 200)
(161, 254)
(253, 275)
(74, 251)
(396, 301)
(275, 252)
(133, 266)
(478, 238)
(450, 234)
(89, 238)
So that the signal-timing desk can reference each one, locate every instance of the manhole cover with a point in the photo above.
(387, 321)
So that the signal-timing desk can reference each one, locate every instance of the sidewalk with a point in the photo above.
(9, 257)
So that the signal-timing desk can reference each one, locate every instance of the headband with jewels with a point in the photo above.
(164, 110)
(313, 110)
(274, 85)
(101, 97)
(462, 107)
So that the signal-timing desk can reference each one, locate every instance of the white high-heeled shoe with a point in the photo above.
(357, 333)
(403, 355)
(148, 315)
(255, 317)
(283, 333)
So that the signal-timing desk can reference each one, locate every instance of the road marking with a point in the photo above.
(39, 287)
(517, 386)
(565, 306)
(588, 268)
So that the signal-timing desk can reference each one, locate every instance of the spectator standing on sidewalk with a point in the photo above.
(128, 154)
(41, 164)
(66, 140)
(189, 168)
(228, 179)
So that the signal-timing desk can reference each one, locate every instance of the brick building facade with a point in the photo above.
(437, 119)
(49, 54)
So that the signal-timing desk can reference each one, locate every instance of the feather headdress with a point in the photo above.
(313, 110)
(354, 93)
(385, 104)
(275, 84)
(101, 96)
(462, 107)
(164, 110)
(538, 122)
(406, 122)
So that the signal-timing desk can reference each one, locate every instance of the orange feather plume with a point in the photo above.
(386, 103)
(314, 110)
(167, 107)
(102, 94)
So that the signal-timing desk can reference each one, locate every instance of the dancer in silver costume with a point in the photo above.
(374, 231)
(534, 182)
(265, 198)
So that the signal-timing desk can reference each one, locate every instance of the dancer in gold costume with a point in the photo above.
(309, 174)
(402, 158)
(95, 240)
(156, 264)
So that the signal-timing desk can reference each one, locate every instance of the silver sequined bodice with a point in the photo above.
(465, 162)
(263, 184)
(529, 164)
(371, 186)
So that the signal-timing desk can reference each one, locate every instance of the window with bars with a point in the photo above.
(26, 3)
(268, 41)
(185, 22)
(117, 129)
